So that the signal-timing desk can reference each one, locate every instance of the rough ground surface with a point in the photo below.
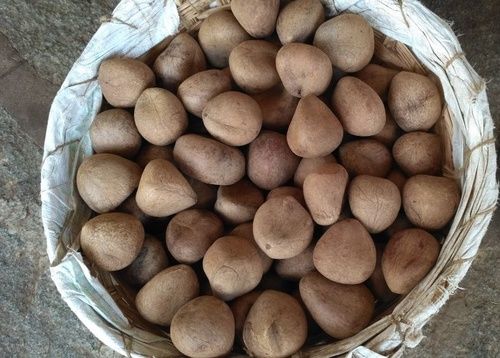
(39, 40)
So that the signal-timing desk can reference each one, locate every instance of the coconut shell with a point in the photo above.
(104, 181)
(213, 338)
(282, 227)
(345, 253)
(271, 163)
(160, 299)
(414, 101)
(324, 192)
(374, 201)
(340, 310)
(314, 130)
(191, 232)
(163, 190)
(409, 255)
(359, 108)
(276, 326)
(112, 241)
(232, 266)
(430, 202)
(208, 160)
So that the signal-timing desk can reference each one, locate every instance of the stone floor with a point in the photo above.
(39, 40)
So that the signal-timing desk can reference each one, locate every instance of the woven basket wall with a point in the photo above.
(139, 29)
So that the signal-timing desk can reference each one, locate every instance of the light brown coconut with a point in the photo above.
(298, 20)
(104, 181)
(208, 160)
(282, 227)
(182, 58)
(292, 191)
(163, 190)
(114, 131)
(358, 107)
(340, 310)
(151, 259)
(233, 118)
(191, 232)
(112, 241)
(252, 65)
(376, 283)
(348, 40)
(219, 34)
(276, 326)
(314, 130)
(408, 256)
(232, 266)
(271, 163)
(240, 308)
(303, 69)
(345, 253)
(390, 133)
(414, 101)
(377, 77)
(324, 191)
(430, 202)
(130, 206)
(160, 299)
(205, 193)
(374, 201)
(398, 178)
(160, 116)
(296, 267)
(122, 80)
(418, 153)
(278, 107)
(258, 17)
(213, 338)
(149, 152)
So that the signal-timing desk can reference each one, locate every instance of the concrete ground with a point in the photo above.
(39, 40)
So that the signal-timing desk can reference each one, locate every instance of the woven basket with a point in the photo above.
(142, 29)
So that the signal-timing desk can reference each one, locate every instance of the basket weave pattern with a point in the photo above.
(106, 306)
